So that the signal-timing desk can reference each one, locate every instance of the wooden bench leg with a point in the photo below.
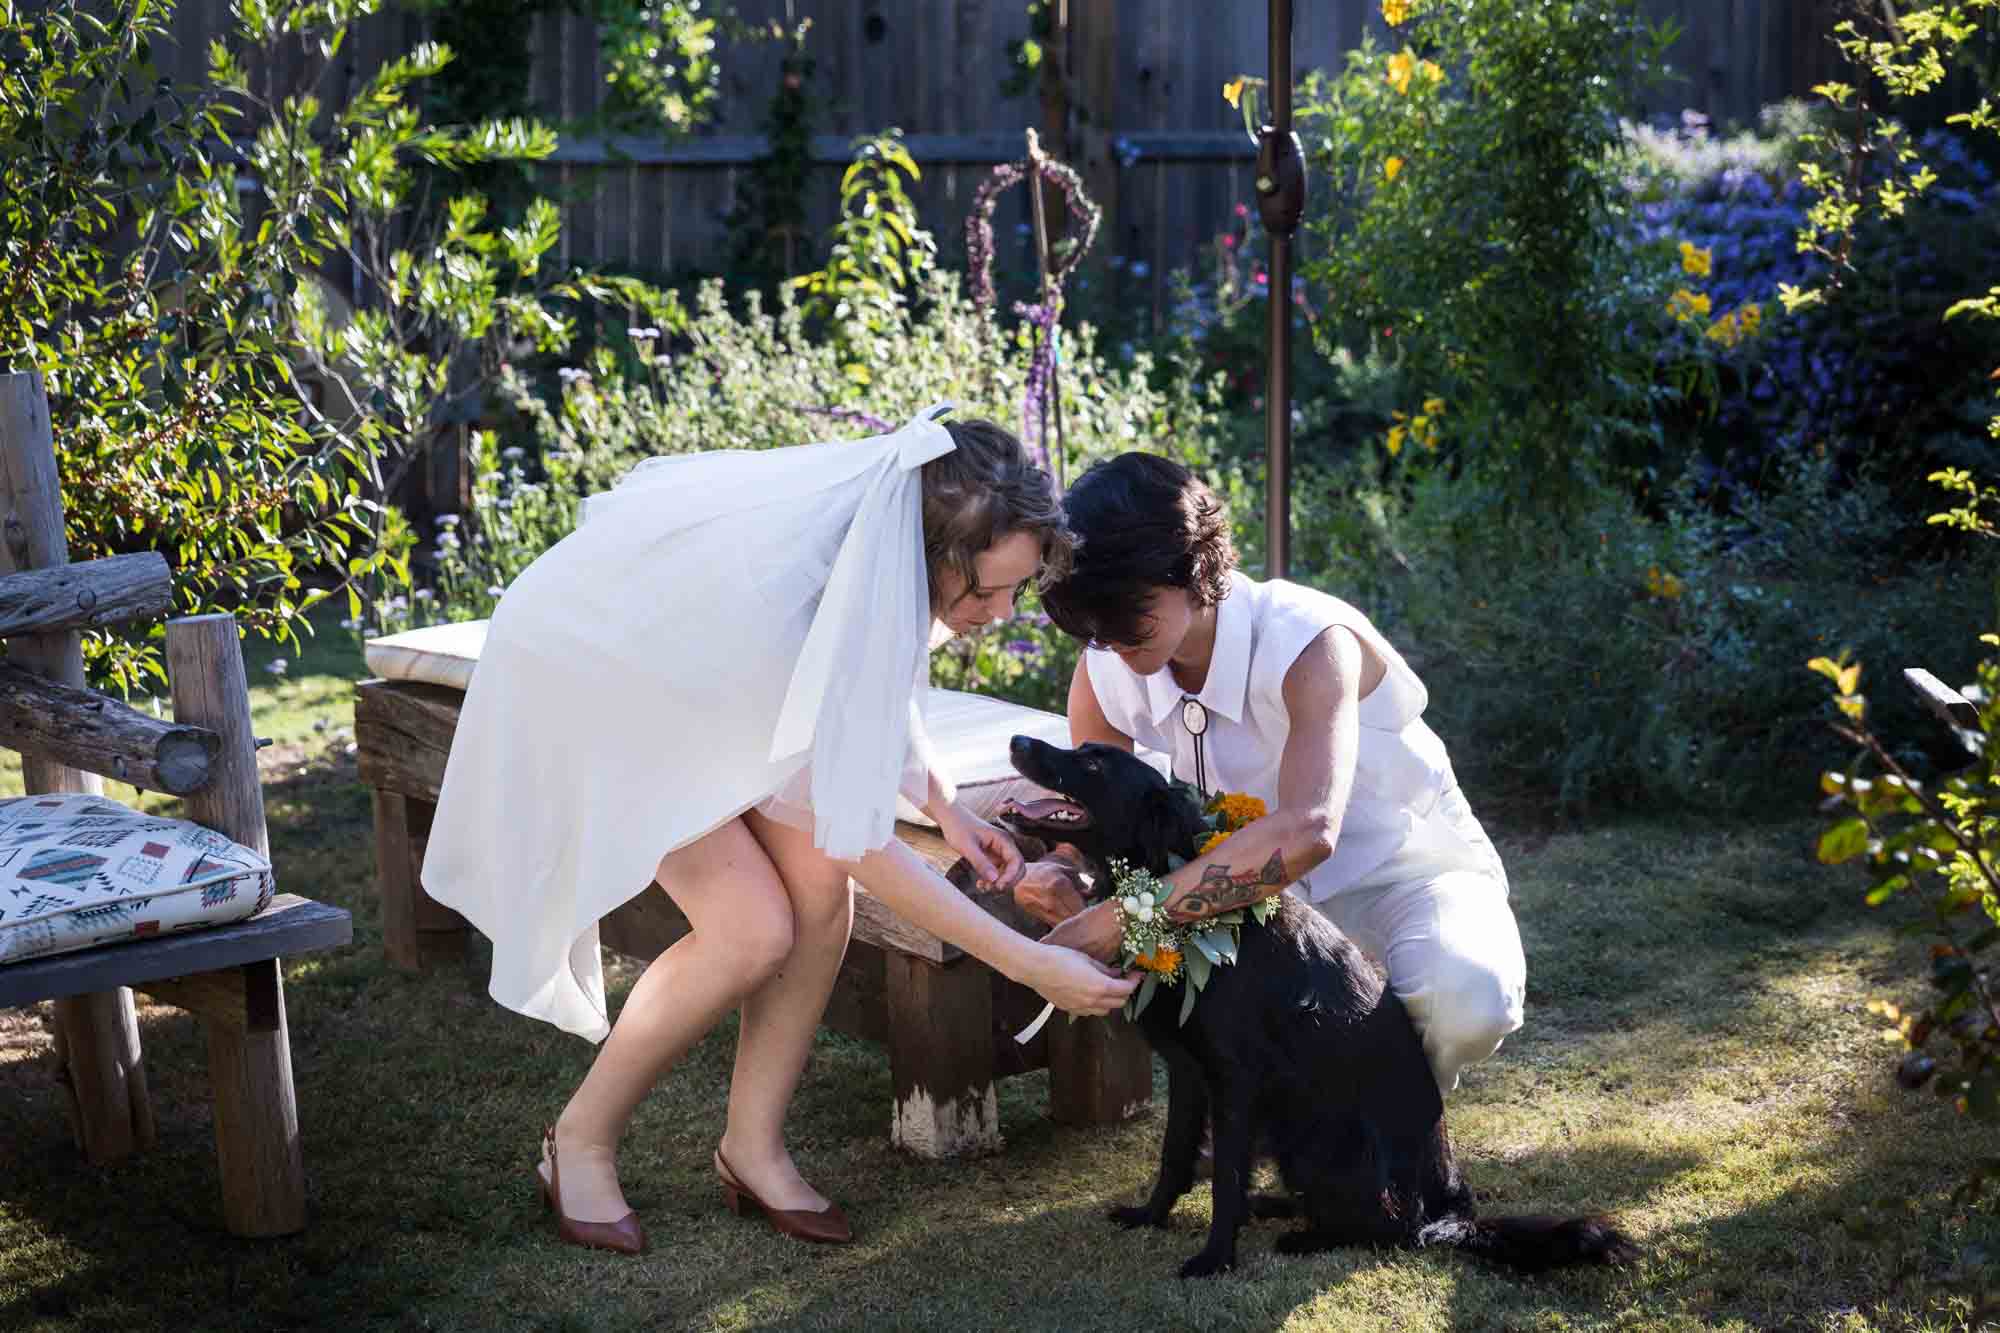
(256, 1112)
(941, 1057)
(417, 930)
(1100, 1070)
(97, 1046)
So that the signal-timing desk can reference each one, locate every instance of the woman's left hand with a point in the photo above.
(995, 860)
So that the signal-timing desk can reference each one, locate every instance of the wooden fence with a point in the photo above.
(1146, 122)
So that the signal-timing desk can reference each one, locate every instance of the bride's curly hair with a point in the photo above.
(1141, 523)
(983, 490)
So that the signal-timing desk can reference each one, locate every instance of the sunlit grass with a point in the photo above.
(1697, 1058)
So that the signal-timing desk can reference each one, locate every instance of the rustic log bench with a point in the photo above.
(947, 1019)
(69, 737)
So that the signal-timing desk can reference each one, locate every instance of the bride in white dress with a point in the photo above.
(714, 683)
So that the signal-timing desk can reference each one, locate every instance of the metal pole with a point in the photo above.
(1050, 296)
(1280, 201)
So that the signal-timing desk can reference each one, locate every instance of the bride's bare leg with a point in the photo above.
(780, 1017)
(742, 934)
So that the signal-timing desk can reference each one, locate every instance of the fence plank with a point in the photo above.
(1147, 71)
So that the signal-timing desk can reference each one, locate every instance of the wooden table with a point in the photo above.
(947, 1019)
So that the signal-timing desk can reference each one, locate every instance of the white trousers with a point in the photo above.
(1436, 915)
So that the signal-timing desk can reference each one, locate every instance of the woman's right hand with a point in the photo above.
(1077, 984)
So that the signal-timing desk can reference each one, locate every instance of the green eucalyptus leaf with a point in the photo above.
(1144, 995)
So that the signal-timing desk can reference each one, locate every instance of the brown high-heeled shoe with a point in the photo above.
(828, 1226)
(625, 1236)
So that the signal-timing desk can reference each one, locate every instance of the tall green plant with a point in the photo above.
(1469, 165)
(876, 256)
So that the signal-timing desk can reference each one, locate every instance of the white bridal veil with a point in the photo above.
(722, 628)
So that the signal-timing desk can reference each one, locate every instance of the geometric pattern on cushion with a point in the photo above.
(77, 871)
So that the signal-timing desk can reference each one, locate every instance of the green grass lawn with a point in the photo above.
(1697, 1057)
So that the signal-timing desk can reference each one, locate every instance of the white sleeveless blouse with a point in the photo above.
(1260, 630)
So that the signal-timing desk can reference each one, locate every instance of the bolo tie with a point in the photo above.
(1195, 718)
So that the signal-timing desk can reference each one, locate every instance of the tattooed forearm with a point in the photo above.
(1220, 889)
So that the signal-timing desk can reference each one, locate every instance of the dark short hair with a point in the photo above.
(986, 489)
(1141, 523)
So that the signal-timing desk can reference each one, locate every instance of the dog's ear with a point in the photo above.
(1167, 826)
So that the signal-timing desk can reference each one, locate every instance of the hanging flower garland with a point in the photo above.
(1041, 316)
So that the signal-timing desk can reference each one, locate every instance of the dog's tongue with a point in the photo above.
(1049, 810)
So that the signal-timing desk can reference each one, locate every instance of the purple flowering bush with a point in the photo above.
(1875, 378)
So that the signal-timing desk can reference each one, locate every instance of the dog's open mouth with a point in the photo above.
(1050, 812)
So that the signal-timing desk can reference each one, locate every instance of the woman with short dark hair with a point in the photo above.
(1293, 696)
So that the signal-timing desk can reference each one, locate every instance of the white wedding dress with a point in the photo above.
(722, 631)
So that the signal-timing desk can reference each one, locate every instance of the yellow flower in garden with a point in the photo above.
(1748, 316)
(1394, 12)
(1232, 92)
(1695, 260)
(1662, 585)
(1725, 330)
(1432, 71)
(1685, 305)
(1237, 809)
(1401, 66)
(1215, 840)
(1392, 166)
(1434, 407)
(1166, 962)
(1395, 440)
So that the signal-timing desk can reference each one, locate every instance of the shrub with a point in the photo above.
(160, 251)
(1621, 661)
(758, 378)
(1876, 376)
(1472, 169)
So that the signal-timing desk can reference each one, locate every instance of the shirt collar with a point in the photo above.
(1228, 666)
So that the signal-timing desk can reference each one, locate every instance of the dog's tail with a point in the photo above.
(1534, 1243)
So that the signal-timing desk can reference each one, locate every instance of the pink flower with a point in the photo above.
(1242, 211)
(1229, 242)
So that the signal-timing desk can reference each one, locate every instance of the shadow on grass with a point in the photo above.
(420, 1102)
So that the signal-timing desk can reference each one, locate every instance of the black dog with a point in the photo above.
(1299, 1047)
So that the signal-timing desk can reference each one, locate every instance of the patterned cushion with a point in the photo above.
(80, 870)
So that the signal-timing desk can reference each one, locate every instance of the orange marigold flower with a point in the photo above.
(1165, 962)
(1237, 809)
(1215, 840)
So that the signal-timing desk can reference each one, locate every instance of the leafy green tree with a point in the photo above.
(165, 255)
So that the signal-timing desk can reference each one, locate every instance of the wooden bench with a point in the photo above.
(947, 1019)
(228, 975)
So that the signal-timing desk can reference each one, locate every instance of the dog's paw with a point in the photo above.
(1208, 1264)
(1302, 1242)
(1131, 1218)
